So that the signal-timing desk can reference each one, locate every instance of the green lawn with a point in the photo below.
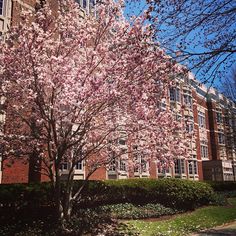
(184, 224)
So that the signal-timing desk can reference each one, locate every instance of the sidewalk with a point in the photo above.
(227, 229)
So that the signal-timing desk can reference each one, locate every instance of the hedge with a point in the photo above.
(223, 186)
(174, 193)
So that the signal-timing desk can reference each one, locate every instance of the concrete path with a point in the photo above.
(227, 229)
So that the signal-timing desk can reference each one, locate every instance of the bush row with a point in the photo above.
(174, 193)
(223, 186)
(19, 195)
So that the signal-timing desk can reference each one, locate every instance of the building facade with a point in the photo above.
(208, 116)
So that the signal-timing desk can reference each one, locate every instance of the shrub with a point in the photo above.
(223, 186)
(25, 194)
(174, 193)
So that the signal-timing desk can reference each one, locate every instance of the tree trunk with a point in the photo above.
(67, 206)
(58, 202)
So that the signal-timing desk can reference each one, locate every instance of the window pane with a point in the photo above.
(121, 141)
(190, 168)
(195, 167)
(201, 119)
(204, 151)
(177, 95)
(92, 2)
(177, 167)
(64, 166)
(122, 165)
(1, 7)
(182, 166)
(172, 94)
(112, 166)
(221, 138)
(79, 165)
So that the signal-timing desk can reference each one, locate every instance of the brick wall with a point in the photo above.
(16, 172)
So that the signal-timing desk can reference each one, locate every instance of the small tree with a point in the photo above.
(77, 85)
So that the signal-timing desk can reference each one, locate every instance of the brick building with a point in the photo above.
(209, 117)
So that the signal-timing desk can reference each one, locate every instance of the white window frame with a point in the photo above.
(180, 163)
(188, 100)
(112, 164)
(88, 5)
(219, 117)
(175, 94)
(189, 123)
(163, 171)
(141, 164)
(201, 119)
(79, 166)
(192, 164)
(204, 151)
(221, 137)
(122, 165)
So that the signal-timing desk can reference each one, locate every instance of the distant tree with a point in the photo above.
(200, 34)
(228, 84)
(79, 85)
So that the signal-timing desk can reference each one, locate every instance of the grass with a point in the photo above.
(202, 218)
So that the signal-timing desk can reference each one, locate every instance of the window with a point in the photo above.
(67, 165)
(1, 7)
(219, 118)
(192, 167)
(204, 151)
(84, 3)
(188, 100)
(175, 94)
(64, 166)
(141, 164)
(163, 106)
(92, 3)
(172, 94)
(189, 124)
(226, 120)
(112, 166)
(179, 166)
(122, 142)
(87, 4)
(162, 169)
(79, 165)
(201, 119)
(182, 165)
(178, 117)
(189, 127)
(221, 137)
(122, 165)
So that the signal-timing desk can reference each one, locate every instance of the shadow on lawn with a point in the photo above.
(42, 222)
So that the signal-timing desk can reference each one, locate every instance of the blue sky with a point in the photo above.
(139, 6)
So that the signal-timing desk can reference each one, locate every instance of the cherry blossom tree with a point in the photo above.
(75, 85)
